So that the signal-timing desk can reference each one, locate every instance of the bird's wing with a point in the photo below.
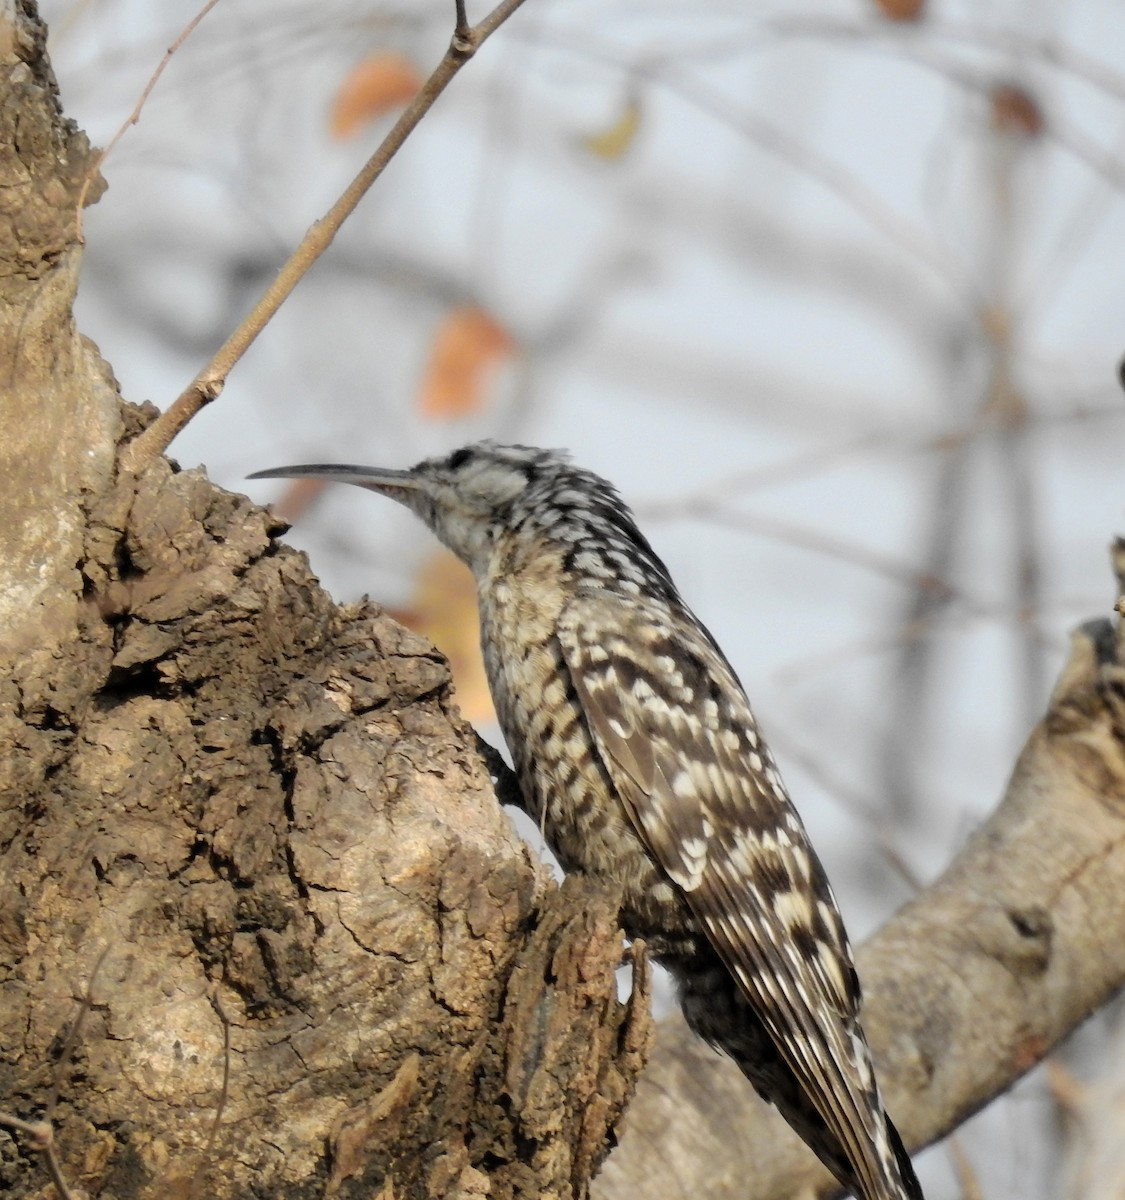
(677, 737)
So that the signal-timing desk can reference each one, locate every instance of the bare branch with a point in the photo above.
(85, 1003)
(135, 115)
(41, 1135)
(461, 28)
(209, 383)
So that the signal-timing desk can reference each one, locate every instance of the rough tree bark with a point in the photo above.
(264, 929)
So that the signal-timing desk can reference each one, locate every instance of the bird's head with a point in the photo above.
(467, 498)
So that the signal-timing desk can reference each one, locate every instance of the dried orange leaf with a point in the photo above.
(444, 609)
(468, 346)
(612, 143)
(370, 89)
(296, 498)
(1016, 110)
(901, 10)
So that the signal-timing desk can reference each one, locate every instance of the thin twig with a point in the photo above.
(195, 1187)
(964, 1170)
(1012, 41)
(85, 1003)
(42, 1137)
(34, 1129)
(135, 115)
(42, 1132)
(209, 383)
(664, 71)
(54, 1169)
(1010, 407)
(792, 534)
(224, 1093)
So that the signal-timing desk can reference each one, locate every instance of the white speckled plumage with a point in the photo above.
(639, 756)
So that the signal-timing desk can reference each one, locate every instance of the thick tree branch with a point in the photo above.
(967, 987)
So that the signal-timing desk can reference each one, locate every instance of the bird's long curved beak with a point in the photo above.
(374, 478)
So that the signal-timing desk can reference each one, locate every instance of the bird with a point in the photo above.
(638, 755)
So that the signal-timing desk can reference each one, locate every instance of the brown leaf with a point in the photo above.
(444, 609)
(901, 10)
(371, 88)
(296, 498)
(1016, 110)
(468, 346)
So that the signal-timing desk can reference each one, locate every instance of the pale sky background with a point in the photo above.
(780, 302)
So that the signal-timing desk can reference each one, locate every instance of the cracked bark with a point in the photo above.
(267, 813)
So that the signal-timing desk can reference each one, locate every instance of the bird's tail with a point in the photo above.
(897, 1180)
(911, 1188)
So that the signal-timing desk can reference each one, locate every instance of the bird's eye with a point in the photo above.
(460, 457)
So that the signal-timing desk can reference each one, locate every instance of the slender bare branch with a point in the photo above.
(209, 383)
(85, 1003)
(135, 115)
(41, 1135)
